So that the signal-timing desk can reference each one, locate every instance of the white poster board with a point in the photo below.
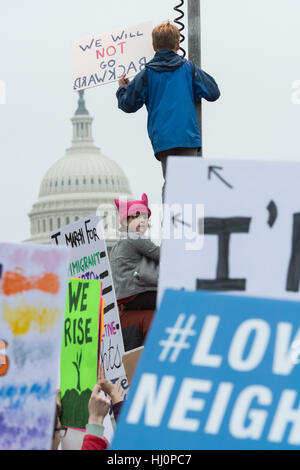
(89, 260)
(33, 284)
(251, 222)
(104, 57)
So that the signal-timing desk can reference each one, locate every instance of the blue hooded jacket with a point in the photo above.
(169, 86)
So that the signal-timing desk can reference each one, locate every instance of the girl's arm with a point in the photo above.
(147, 248)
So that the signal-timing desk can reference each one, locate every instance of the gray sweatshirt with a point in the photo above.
(134, 264)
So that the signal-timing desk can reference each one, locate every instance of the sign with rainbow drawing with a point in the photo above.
(33, 282)
(80, 350)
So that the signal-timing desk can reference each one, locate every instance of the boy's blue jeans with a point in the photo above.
(179, 151)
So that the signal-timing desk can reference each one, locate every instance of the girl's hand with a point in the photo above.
(108, 387)
(98, 406)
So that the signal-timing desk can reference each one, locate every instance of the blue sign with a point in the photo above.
(217, 372)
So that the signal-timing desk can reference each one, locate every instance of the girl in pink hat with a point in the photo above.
(135, 258)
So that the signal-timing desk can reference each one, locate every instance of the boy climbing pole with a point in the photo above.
(169, 86)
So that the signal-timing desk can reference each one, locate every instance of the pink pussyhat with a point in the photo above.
(127, 208)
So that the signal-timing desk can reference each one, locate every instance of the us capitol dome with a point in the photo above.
(80, 183)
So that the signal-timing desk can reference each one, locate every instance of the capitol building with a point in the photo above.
(82, 182)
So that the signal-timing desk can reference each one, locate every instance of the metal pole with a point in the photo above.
(194, 47)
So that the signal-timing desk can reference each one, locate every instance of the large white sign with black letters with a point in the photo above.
(251, 225)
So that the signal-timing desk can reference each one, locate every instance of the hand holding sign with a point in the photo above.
(98, 406)
(123, 81)
(108, 387)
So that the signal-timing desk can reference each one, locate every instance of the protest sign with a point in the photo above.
(103, 58)
(80, 350)
(131, 360)
(249, 212)
(218, 372)
(33, 282)
(89, 260)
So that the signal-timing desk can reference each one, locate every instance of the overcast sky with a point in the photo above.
(251, 47)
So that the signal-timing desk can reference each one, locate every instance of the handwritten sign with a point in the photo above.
(89, 260)
(218, 372)
(79, 352)
(103, 58)
(250, 220)
(33, 285)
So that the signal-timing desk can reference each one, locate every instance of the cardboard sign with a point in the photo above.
(33, 281)
(131, 360)
(218, 372)
(249, 212)
(80, 350)
(89, 260)
(103, 58)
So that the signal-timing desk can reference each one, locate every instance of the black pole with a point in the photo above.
(194, 47)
